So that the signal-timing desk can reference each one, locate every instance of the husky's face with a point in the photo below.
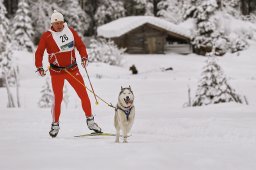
(126, 97)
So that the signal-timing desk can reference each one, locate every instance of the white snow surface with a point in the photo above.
(123, 25)
(165, 134)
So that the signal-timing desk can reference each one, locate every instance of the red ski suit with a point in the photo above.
(63, 59)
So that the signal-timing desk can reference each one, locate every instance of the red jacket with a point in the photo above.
(64, 58)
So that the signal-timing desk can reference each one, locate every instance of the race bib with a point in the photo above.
(64, 39)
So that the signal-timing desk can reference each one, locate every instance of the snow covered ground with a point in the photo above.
(165, 135)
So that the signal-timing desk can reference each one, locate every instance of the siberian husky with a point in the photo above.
(124, 113)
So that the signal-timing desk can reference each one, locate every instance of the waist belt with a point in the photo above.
(59, 68)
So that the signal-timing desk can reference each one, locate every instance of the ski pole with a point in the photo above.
(96, 101)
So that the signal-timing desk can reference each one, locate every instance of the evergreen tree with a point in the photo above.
(7, 71)
(40, 17)
(213, 87)
(149, 6)
(210, 35)
(247, 6)
(109, 10)
(135, 7)
(22, 28)
(113, 9)
(105, 52)
(239, 8)
(90, 9)
(4, 26)
(232, 7)
(6, 64)
(46, 99)
(238, 44)
(207, 36)
(171, 10)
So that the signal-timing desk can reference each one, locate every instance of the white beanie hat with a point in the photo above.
(56, 16)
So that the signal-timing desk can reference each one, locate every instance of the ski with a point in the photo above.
(96, 134)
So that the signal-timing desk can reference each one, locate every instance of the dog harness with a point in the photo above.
(126, 112)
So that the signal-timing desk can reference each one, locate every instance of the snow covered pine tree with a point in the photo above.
(4, 26)
(40, 17)
(6, 65)
(109, 10)
(46, 99)
(213, 87)
(105, 51)
(7, 71)
(22, 28)
(171, 10)
(207, 37)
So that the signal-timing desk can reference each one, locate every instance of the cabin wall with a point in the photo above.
(179, 48)
(155, 40)
(149, 39)
(145, 40)
(135, 41)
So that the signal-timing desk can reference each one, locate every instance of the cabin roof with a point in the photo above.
(124, 25)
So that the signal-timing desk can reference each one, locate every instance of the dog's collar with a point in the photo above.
(126, 111)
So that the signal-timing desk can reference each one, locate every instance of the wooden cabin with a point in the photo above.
(146, 35)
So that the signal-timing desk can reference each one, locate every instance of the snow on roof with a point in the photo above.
(123, 25)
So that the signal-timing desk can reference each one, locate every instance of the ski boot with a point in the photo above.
(92, 125)
(54, 129)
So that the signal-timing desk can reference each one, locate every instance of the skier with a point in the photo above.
(59, 42)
